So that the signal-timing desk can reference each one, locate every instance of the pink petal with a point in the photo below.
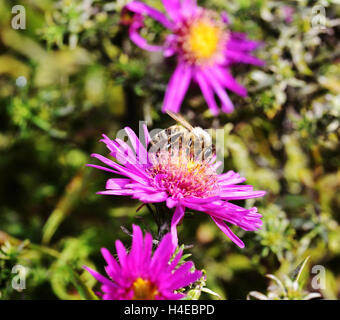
(121, 252)
(227, 105)
(177, 88)
(172, 8)
(117, 183)
(161, 256)
(220, 223)
(228, 81)
(138, 146)
(208, 93)
(178, 215)
(144, 9)
(146, 135)
(239, 56)
(99, 277)
(189, 7)
(170, 203)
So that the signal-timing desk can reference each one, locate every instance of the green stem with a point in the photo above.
(163, 220)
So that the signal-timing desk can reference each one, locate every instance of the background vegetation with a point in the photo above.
(73, 74)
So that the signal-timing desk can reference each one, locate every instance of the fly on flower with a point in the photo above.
(139, 275)
(205, 48)
(180, 180)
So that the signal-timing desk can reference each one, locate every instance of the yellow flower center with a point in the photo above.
(191, 165)
(144, 289)
(204, 38)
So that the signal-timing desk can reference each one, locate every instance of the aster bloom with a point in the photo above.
(139, 275)
(180, 182)
(204, 46)
(288, 13)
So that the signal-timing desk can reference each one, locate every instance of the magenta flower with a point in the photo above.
(205, 49)
(288, 13)
(140, 276)
(180, 182)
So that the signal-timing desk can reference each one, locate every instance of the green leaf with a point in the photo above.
(296, 273)
(84, 291)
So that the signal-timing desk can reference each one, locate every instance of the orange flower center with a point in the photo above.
(144, 289)
(202, 39)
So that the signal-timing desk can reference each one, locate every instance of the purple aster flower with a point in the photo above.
(205, 48)
(179, 181)
(288, 13)
(139, 275)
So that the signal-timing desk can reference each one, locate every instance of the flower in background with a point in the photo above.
(179, 181)
(205, 48)
(139, 275)
(288, 13)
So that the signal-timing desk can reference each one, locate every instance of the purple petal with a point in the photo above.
(126, 192)
(244, 45)
(121, 252)
(240, 195)
(139, 40)
(142, 8)
(109, 258)
(200, 200)
(170, 46)
(175, 261)
(161, 256)
(102, 168)
(138, 146)
(178, 215)
(146, 135)
(177, 88)
(99, 277)
(227, 105)
(228, 81)
(225, 17)
(217, 165)
(113, 268)
(147, 250)
(123, 171)
(239, 56)
(189, 7)
(117, 183)
(136, 251)
(207, 93)
(170, 203)
(182, 276)
(230, 178)
(152, 197)
(220, 223)
(172, 7)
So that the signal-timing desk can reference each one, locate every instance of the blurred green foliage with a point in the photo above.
(73, 74)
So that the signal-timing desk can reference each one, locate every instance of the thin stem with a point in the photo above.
(152, 212)
(41, 248)
(163, 221)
